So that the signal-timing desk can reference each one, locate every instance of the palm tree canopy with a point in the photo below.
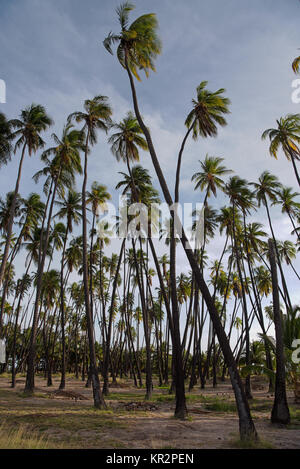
(125, 143)
(139, 43)
(70, 208)
(210, 176)
(208, 112)
(268, 185)
(5, 139)
(33, 120)
(239, 193)
(96, 116)
(285, 136)
(98, 197)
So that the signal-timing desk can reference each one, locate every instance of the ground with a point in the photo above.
(50, 420)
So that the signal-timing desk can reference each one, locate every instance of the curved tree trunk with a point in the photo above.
(247, 428)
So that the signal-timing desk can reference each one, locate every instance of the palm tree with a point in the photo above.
(287, 137)
(5, 139)
(209, 179)
(31, 214)
(266, 188)
(5, 210)
(207, 113)
(22, 287)
(241, 198)
(127, 140)
(138, 46)
(70, 208)
(33, 121)
(287, 252)
(280, 410)
(98, 198)
(286, 198)
(60, 172)
(96, 116)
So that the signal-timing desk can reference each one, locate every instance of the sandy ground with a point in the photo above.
(74, 423)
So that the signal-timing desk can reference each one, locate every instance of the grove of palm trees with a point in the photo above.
(128, 330)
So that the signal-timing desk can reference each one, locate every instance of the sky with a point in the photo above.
(52, 54)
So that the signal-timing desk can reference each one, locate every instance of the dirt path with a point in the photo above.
(69, 419)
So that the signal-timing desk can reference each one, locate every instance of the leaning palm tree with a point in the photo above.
(96, 116)
(33, 121)
(138, 47)
(287, 137)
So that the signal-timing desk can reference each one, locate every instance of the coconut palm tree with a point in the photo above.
(96, 116)
(127, 140)
(265, 189)
(97, 198)
(287, 252)
(241, 197)
(209, 179)
(286, 198)
(33, 121)
(138, 46)
(60, 172)
(287, 137)
(5, 139)
(69, 208)
(280, 410)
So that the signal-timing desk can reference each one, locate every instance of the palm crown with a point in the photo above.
(139, 43)
(128, 139)
(32, 122)
(209, 178)
(5, 139)
(208, 111)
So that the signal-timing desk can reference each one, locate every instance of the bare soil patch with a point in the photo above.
(67, 418)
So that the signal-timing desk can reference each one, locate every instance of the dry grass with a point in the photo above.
(21, 438)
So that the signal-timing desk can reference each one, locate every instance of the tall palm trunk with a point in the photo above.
(29, 386)
(62, 316)
(13, 364)
(97, 394)
(247, 428)
(287, 299)
(244, 302)
(11, 218)
(110, 321)
(280, 411)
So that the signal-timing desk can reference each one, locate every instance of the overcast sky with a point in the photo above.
(52, 54)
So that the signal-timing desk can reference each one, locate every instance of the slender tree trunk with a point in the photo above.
(97, 394)
(247, 428)
(29, 386)
(110, 320)
(62, 318)
(280, 411)
(11, 219)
